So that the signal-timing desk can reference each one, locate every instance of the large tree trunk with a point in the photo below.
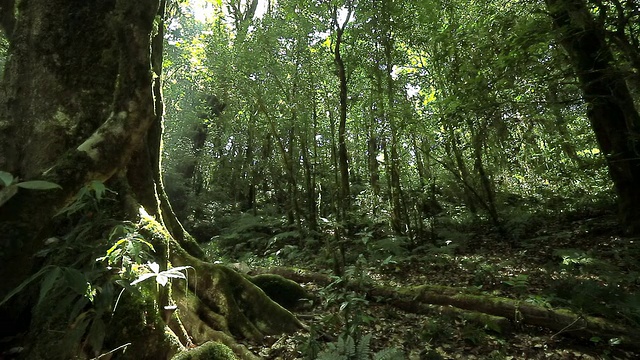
(612, 113)
(80, 101)
(76, 106)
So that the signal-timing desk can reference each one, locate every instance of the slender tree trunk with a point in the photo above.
(611, 109)
(309, 179)
(462, 171)
(375, 145)
(335, 246)
(249, 167)
(558, 127)
(372, 151)
(343, 156)
(478, 140)
(399, 213)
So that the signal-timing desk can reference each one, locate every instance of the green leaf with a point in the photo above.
(38, 185)
(47, 283)
(363, 350)
(389, 354)
(76, 280)
(77, 330)
(615, 341)
(6, 178)
(78, 306)
(96, 334)
(7, 193)
(24, 284)
(115, 246)
(99, 188)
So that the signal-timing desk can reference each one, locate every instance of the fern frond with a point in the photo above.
(389, 354)
(363, 351)
(349, 346)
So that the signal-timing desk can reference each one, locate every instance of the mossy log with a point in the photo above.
(413, 298)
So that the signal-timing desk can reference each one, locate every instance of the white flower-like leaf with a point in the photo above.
(154, 267)
(162, 279)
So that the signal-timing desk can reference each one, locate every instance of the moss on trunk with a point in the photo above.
(81, 103)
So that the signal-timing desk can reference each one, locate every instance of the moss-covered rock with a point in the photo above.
(287, 293)
(207, 351)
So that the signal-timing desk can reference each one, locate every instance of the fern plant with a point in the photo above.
(348, 348)
(352, 344)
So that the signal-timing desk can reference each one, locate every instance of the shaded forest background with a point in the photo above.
(394, 117)
(421, 140)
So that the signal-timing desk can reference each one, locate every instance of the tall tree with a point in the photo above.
(339, 26)
(81, 103)
(612, 113)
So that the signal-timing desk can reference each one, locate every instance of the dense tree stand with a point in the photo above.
(82, 106)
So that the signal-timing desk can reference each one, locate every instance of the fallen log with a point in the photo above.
(413, 298)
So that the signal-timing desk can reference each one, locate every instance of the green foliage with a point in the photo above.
(575, 261)
(87, 198)
(473, 334)
(249, 231)
(346, 348)
(9, 186)
(74, 297)
(597, 298)
(391, 245)
(436, 330)
(573, 257)
(521, 223)
(6, 178)
(80, 298)
(352, 343)
(484, 272)
(129, 248)
(520, 283)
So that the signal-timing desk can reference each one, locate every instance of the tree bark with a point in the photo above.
(77, 106)
(81, 101)
(343, 157)
(611, 111)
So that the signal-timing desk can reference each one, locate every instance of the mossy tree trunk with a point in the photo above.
(614, 118)
(80, 101)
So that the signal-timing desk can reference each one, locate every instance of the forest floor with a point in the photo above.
(580, 262)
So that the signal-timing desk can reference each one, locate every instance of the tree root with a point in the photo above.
(222, 305)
